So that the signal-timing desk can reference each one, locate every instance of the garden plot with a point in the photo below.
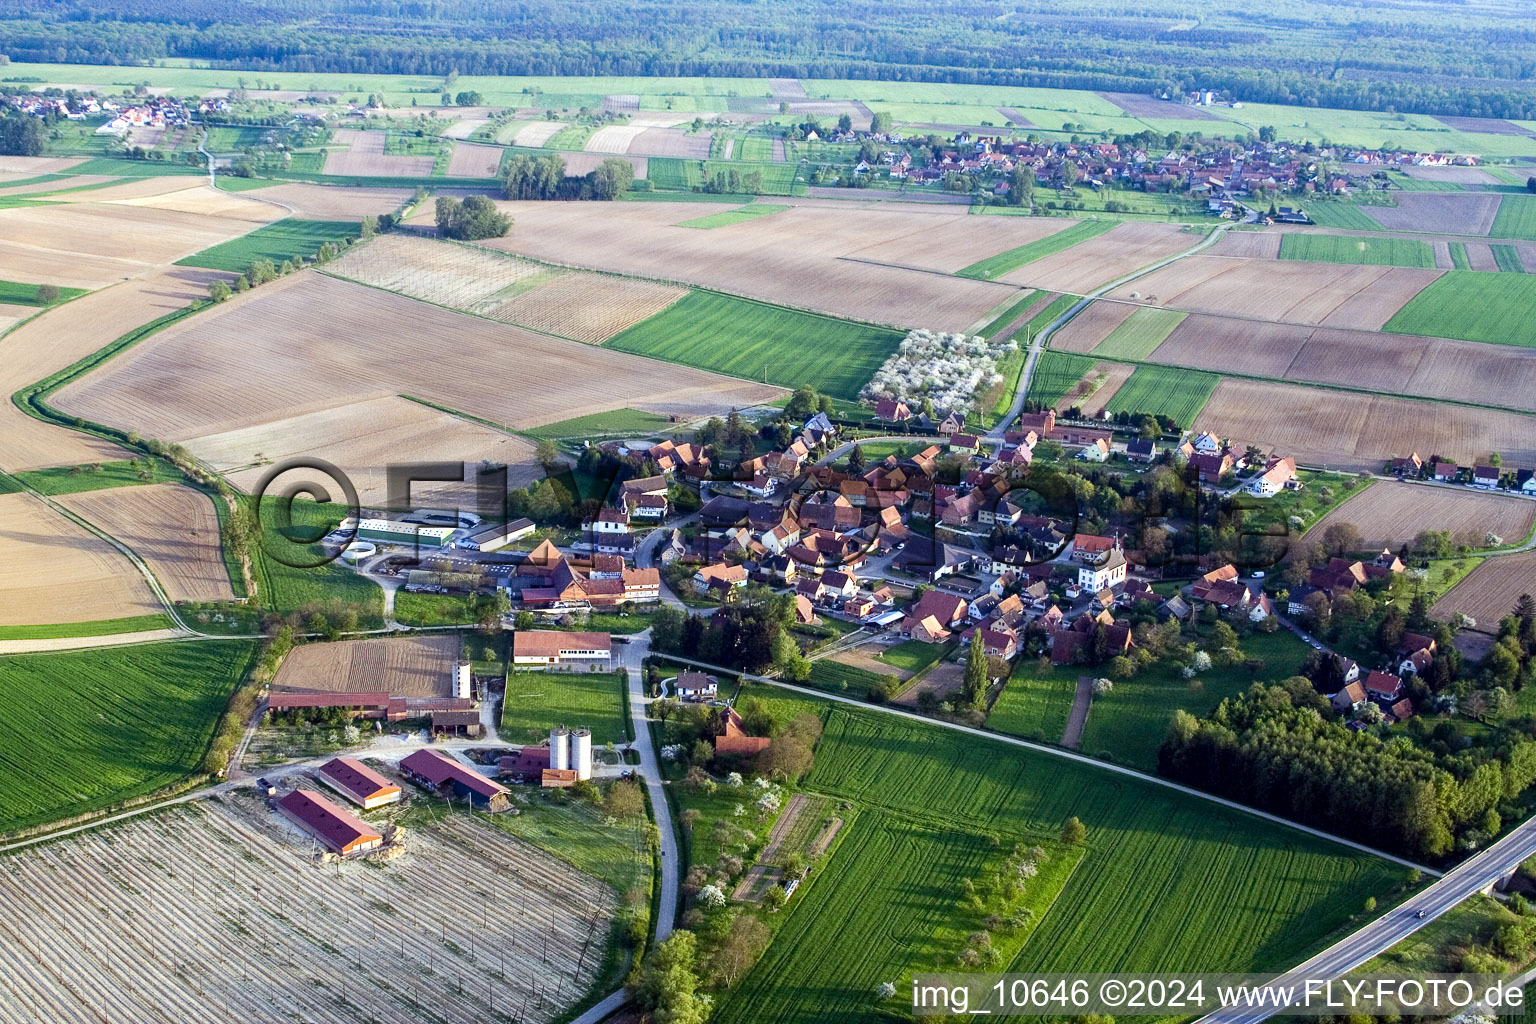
(365, 155)
(66, 333)
(1390, 516)
(1444, 213)
(1334, 430)
(267, 356)
(1099, 260)
(216, 910)
(52, 570)
(791, 258)
(1488, 593)
(363, 438)
(415, 666)
(173, 527)
(471, 160)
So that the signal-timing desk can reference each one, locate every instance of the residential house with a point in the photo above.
(1411, 466)
(733, 738)
(892, 410)
(695, 686)
(544, 650)
(1106, 572)
(719, 576)
(1445, 472)
(1486, 477)
(1350, 699)
(1383, 687)
(1087, 547)
(963, 444)
(1097, 451)
(1141, 449)
(1278, 475)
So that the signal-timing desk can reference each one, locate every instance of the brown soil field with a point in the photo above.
(208, 201)
(1117, 252)
(1480, 256)
(172, 527)
(790, 258)
(1390, 514)
(87, 245)
(1381, 362)
(364, 154)
(586, 163)
(944, 239)
(535, 135)
(1264, 245)
(11, 314)
(1084, 331)
(1312, 293)
(309, 342)
(1488, 593)
(613, 138)
(1473, 372)
(53, 570)
(1236, 346)
(64, 334)
(1137, 104)
(363, 438)
(470, 160)
(587, 307)
(134, 189)
(465, 127)
(78, 181)
(1460, 175)
(672, 142)
(333, 202)
(1115, 375)
(1355, 432)
(1441, 213)
(414, 666)
(31, 166)
(140, 922)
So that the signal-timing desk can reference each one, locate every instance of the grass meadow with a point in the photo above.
(289, 238)
(757, 341)
(84, 730)
(1473, 306)
(536, 702)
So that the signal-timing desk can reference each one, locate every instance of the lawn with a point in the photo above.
(726, 218)
(1495, 308)
(84, 730)
(536, 702)
(628, 422)
(74, 479)
(1013, 259)
(1165, 391)
(1140, 334)
(575, 831)
(434, 609)
(101, 627)
(1035, 704)
(912, 655)
(1516, 218)
(1055, 374)
(290, 238)
(1376, 252)
(16, 293)
(1164, 881)
(283, 587)
(757, 341)
(1338, 214)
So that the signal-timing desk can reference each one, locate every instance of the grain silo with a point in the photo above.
(581, 753)
(461, 679)
(559, 748)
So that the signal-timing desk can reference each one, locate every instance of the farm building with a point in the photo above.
(389, 531)
(359, 783)
(536, 650)
(359, 705)
(493, 536)
(441, 774)
(342, 832)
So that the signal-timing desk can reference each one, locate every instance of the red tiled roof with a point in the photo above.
(330, 824)
(357, 778)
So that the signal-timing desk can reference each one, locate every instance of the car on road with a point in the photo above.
(1258, 574)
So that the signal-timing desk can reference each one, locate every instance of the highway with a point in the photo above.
(1450, 889)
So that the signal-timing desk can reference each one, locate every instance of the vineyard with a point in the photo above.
(87, 729)
(216, 912)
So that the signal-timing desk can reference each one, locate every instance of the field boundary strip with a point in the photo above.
(1012, 259)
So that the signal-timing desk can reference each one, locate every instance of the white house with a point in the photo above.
(1102, 575)
(1277, 476)
(610, 520)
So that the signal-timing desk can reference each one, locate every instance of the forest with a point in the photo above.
(1472, 59)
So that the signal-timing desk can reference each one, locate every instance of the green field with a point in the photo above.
(84, 730)
(74, 479)
(1035, 704)
(729, 217)
(1459, 258)
(1007, 316)
(1013, 259)
(756, 341)
(1055, 374)
(1376, 252)
(912, 655)
(577, 833)
(1140, 334)
(1164, 881)
(1338, 214)
(538, 701)
(629, 422)
(1516, 218)
(1041, 320)
(1508, 258)
(413, 609)
(101, 627)
(290, 238)
(15, 293)
(679, 174)
(1495, 308)
(283, 587)
(1165, 391)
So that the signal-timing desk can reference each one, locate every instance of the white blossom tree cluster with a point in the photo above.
(951, 370)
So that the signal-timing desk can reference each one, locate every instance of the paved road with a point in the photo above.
(1456, 885)
(1037, 344)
